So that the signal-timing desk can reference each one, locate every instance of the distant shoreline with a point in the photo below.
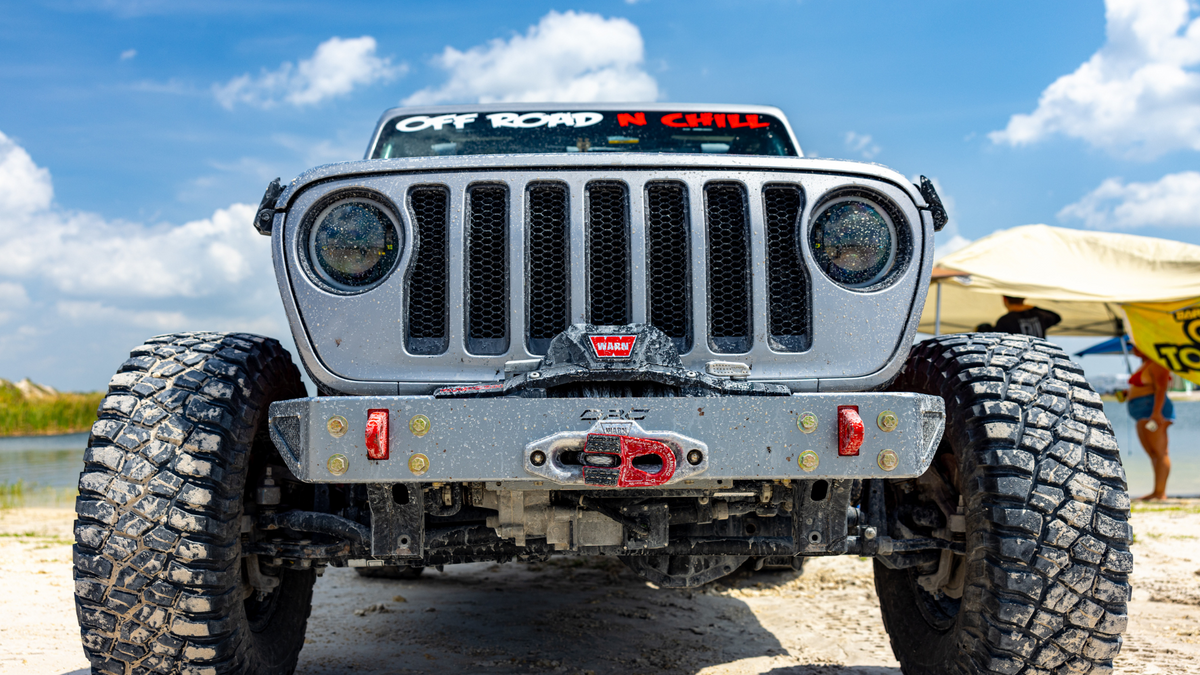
(50, 432)
(1177, 396)
(28, 409)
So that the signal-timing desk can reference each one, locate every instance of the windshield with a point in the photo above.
(609, 131)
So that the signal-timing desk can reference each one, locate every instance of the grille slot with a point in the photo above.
(669, 279)
(427, 290)
(487, 270)
(548, 256)
(608, 254)
(728, 268)
(788, 309)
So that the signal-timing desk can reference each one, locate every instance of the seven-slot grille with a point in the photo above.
(679, 225)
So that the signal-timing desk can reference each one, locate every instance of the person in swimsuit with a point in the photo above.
(1148, 404)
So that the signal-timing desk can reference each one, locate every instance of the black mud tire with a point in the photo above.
(158, 565)
(1047, 516)
(400, 572)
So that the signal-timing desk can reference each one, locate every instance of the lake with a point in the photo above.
(55, 461)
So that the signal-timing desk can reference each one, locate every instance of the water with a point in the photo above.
(48, 461)
(1183, 441)
(55, 461)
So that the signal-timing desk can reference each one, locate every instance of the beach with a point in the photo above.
(590, 615)
(580, 615)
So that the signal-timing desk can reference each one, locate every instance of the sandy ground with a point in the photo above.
(591, 616)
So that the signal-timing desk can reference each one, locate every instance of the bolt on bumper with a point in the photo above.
(536, 443)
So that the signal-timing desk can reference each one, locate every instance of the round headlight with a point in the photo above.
(354, 243)
(854, 241)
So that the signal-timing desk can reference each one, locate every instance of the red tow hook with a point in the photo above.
(850, 430)
(609, 460)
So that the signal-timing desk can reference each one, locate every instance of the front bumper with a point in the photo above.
(495, 440)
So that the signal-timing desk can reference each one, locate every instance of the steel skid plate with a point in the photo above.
(739, 437)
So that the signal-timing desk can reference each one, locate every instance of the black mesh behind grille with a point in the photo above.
(427, 290)
(669, 262)
(728, 268)
(487, 270)
(788, 309)
(548, 256)
(608, 254)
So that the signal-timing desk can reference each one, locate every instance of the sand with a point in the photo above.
(590, 615)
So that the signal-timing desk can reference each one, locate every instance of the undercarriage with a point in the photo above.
(674, 538)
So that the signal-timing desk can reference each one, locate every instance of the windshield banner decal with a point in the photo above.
(690, 120)
(625, 119)
(578, 120)
(538, 119)
(425, 122)
(509, 120)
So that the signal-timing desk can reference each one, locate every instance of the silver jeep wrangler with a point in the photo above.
(655, 332)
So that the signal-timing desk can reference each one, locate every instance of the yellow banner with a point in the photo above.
(1169, 333)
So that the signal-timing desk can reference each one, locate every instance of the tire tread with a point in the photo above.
(156, 535)
(1046, 503)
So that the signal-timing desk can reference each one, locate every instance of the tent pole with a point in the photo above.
(1125, 355)
(937, 315)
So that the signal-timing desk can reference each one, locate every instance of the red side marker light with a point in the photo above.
(377, 434)
(850, 430)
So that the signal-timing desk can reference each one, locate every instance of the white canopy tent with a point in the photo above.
(1082, 275)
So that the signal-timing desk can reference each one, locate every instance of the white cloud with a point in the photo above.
(335, 69)
(862, 144)
(81, 253)
(12, 298)
(78, 290)
(569, 56)
(954, 244)
(93, 311)
(1172, 201)
(24, 187)
(128, 54)
(1138, 96)
(173, 86)
(316, 151)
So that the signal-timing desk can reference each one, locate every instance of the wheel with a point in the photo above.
(390, 572)
(1044, 583)
(160, 582)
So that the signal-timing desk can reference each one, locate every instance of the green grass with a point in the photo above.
(1160, 535)
(1143, 507)
(20, 493)
(13, 494)
(38, 537)
(44, 415)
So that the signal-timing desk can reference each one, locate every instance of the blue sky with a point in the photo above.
(136, 132)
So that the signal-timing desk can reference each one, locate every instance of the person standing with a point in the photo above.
(1149, 405)
(1024, 319)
